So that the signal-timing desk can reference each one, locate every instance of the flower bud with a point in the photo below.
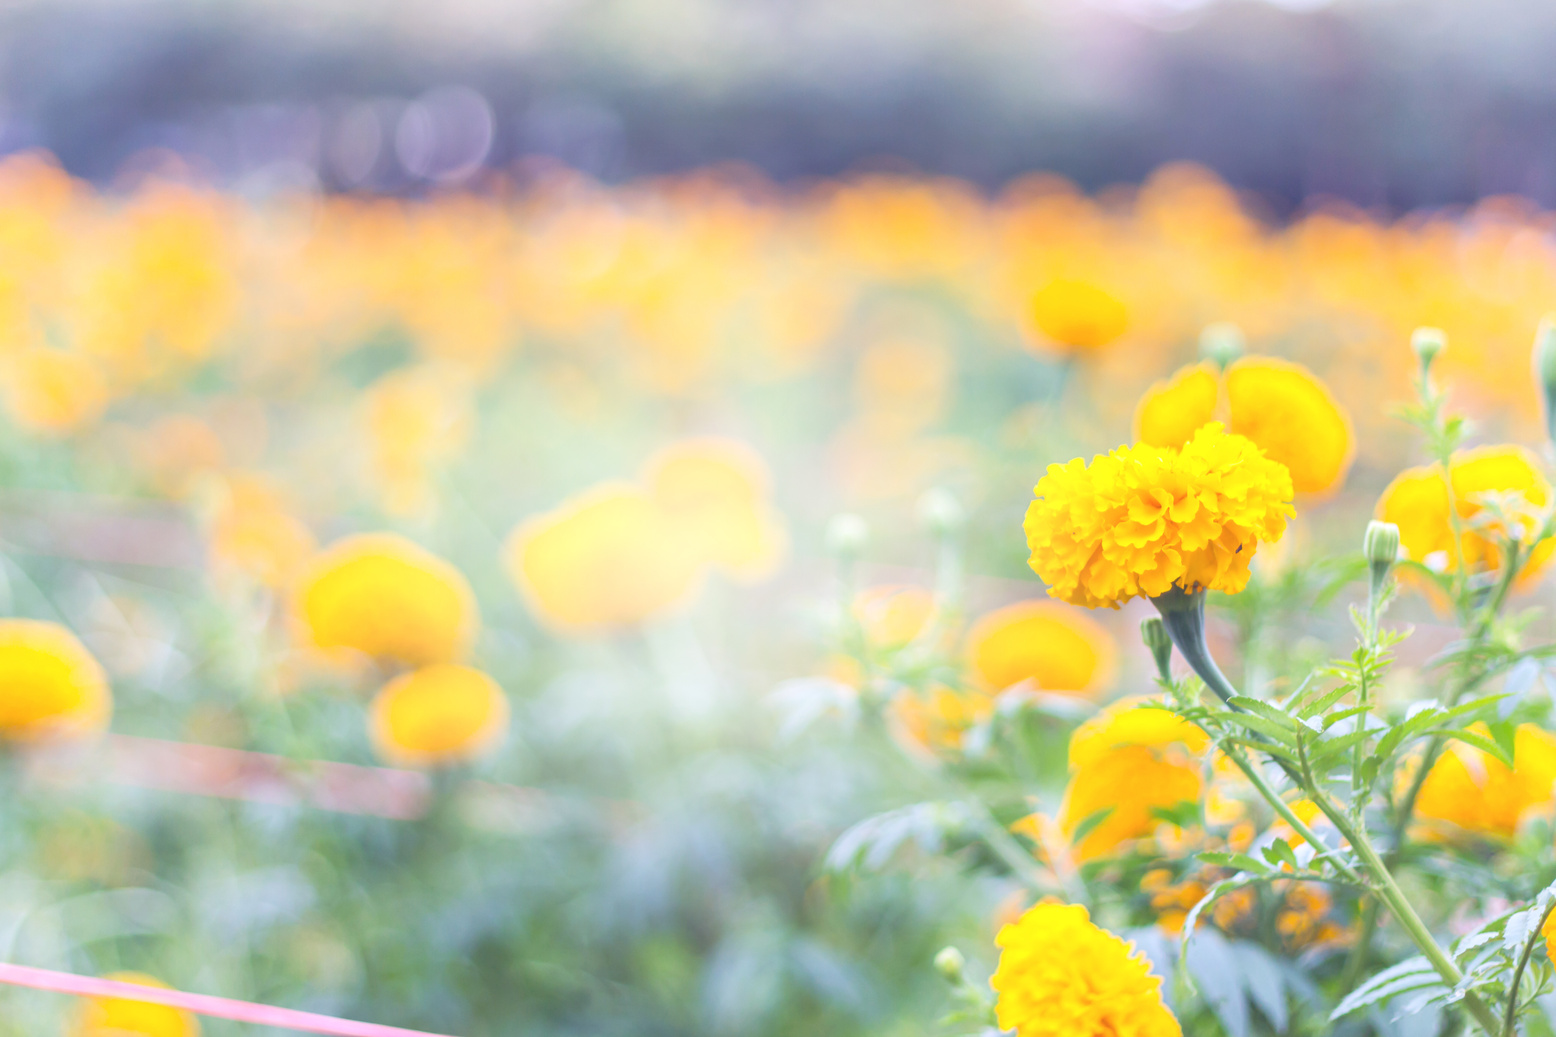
(950, 963)
(939, 510)
(1222, 342)
(1427, 343)
(1545, 369)
(1154, 633)
(1381, 546)
(847, 535)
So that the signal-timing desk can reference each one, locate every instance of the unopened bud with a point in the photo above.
(950, 963)
(1222, 343)
(847, 536)
(1381, 546)
(1154, 633)
(939, 510)
(1427, 343)
(1545, 369)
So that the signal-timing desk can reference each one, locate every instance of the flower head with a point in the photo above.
(1060, 975)
(607, 559)
(1474, 792)
(436, 715)
(1418, 502)
(1078, 315)
(892, 615)
(939, 717)
(384, 596)
(118, 1017)
(1281, 406)
(50, 685)
(717, 491)
(1145, 519)
(1055, 647)
(1132, 760)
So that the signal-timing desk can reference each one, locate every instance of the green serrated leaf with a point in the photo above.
(1411, 974)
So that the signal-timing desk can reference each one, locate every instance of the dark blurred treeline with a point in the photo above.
(1388, 104)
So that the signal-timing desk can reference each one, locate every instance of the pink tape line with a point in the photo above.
(200, 1004)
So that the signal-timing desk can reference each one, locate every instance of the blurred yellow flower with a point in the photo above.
(1418, 502)
(384, 596)
(439, 714)
(939, 717)
(116, 1017)
(1476, 793)
(1078, 316)
(1145, 519)
(716, 491)
(252, 533)
(52, 391)
(1055, 647)
(1281, 406)
(1131, 760)
(417, 419)
(892, 615)
(50, 685)
(607, 559)
(1060, 975)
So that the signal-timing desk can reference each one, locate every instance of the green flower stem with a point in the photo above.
(1282, 808)
(1183, 614)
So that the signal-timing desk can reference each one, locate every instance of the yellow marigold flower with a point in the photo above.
(416, 418)
(437, 715)
(384, 596)
(53, 392)
(893, 614)
(716, 491)
(1060, 975)
(1132, 761)
(50, 685)
(1548, 930)
(938, 718)
(1417, 502)
(1281, 406)
(1079, 316)
(1057, 648)
(253, 534)
(1145, 519)
(116, 1017)
(1476, 793)
(607, 559)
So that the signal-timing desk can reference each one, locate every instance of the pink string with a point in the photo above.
(199, 1004)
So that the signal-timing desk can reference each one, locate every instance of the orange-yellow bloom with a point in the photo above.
(716, 491)
(50, 685)
(1418, 502)
(1145, 519)
(1079, 316)
(607, 559)
(438, 715)
(53, 392)
(1281, 406)
(384, 596)
(1060, 975)
(1055, 647)
(892, 615)
(117, 1017)
(1131, 760)
(1476, 793)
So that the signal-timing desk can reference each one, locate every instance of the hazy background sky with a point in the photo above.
(1392, 103)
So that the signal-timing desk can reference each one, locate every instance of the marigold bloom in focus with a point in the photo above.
(1476, 793)
(1145, 519)
(607, 559)
(1130, 760)
(1060, 975)
(438, 715)
(1078, 315)
(50, 685)
(716, 491)
(117, 1017)
(1281, 406)
(1058, 649)
(384, 596)
(1417, 501)
(53, 392)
